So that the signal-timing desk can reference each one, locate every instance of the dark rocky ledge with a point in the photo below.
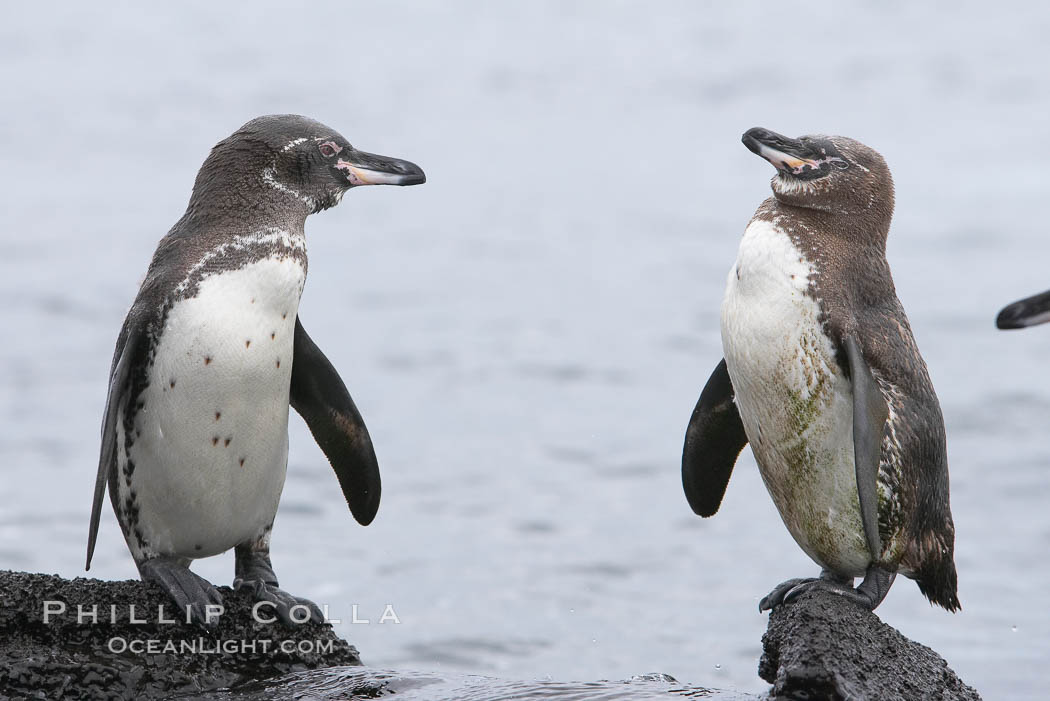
(108, 660)
(819, 647)
(825, 647)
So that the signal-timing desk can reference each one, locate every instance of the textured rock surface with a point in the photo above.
(67, 658)
(824, 647)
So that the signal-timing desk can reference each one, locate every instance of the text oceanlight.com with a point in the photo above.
(205, 646)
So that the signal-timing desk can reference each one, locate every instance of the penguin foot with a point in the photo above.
(869, 594)
(291, 610)
(776, 597)
(192, 594)
(255, 575)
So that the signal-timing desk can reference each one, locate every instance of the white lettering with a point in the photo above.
(82, 614)
(53, 608)
(213, 611)
(160, 616)
(257, 616)
(389, 615)
(305, 613)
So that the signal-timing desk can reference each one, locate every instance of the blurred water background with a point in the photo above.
(527, 333)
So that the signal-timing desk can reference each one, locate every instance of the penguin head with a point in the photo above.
(299, 159)
(826, 173)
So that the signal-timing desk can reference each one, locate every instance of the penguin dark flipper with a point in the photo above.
(713, 441)
(1029, 311)
(321, 398)
(130, 339)
(869, 421)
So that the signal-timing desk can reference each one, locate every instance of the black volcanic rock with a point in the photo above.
(822, 646)
(119, 658)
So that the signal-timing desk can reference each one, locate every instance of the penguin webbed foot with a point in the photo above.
(256, 576)
(778, 595)
(290, 610)
(869, 594)
(191, 593)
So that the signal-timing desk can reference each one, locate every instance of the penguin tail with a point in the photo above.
(940, 585)
(935, 572)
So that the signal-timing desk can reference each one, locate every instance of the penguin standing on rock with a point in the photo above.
(822, 377)
(211, 355)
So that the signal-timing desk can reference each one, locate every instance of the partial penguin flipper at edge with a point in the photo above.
(1029, 311)
(128, 345)
(321, 398)
(713, 442)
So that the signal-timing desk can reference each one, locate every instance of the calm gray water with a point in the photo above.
(527, 333)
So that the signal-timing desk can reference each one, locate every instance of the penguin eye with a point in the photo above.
(329, 149)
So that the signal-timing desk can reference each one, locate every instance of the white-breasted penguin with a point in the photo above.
(822, 377)
(211, 354)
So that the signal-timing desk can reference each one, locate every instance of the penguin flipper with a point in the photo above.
(127, 345)
(713, 441)
(321, 398)
(869, 422)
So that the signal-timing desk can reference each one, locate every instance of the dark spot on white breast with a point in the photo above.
(226, 444)
(278, 362)
(242, 462)
(247, 344)
(273, 335)
(214, 440)
(285, 315)
(207, 360)
(171, 384)
(218, 415)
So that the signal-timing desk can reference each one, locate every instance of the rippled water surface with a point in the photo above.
(354, 682)
(527, 333)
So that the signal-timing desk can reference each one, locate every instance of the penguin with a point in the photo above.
(1030, 311)
(212, 354)
(822, 377)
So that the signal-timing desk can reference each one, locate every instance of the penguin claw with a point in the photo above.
(291, 610)
(821, 585)
(191, 593)
(869, 594)
(777, 596)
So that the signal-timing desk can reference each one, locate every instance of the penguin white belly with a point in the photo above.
(795, 402)
(211, 445)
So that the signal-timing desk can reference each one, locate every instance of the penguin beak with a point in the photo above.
(362, 168)
(790, 156)
(1028, 312)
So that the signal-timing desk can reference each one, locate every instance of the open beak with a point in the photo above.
(362, 168)
(786, 154)
(1028, 312)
